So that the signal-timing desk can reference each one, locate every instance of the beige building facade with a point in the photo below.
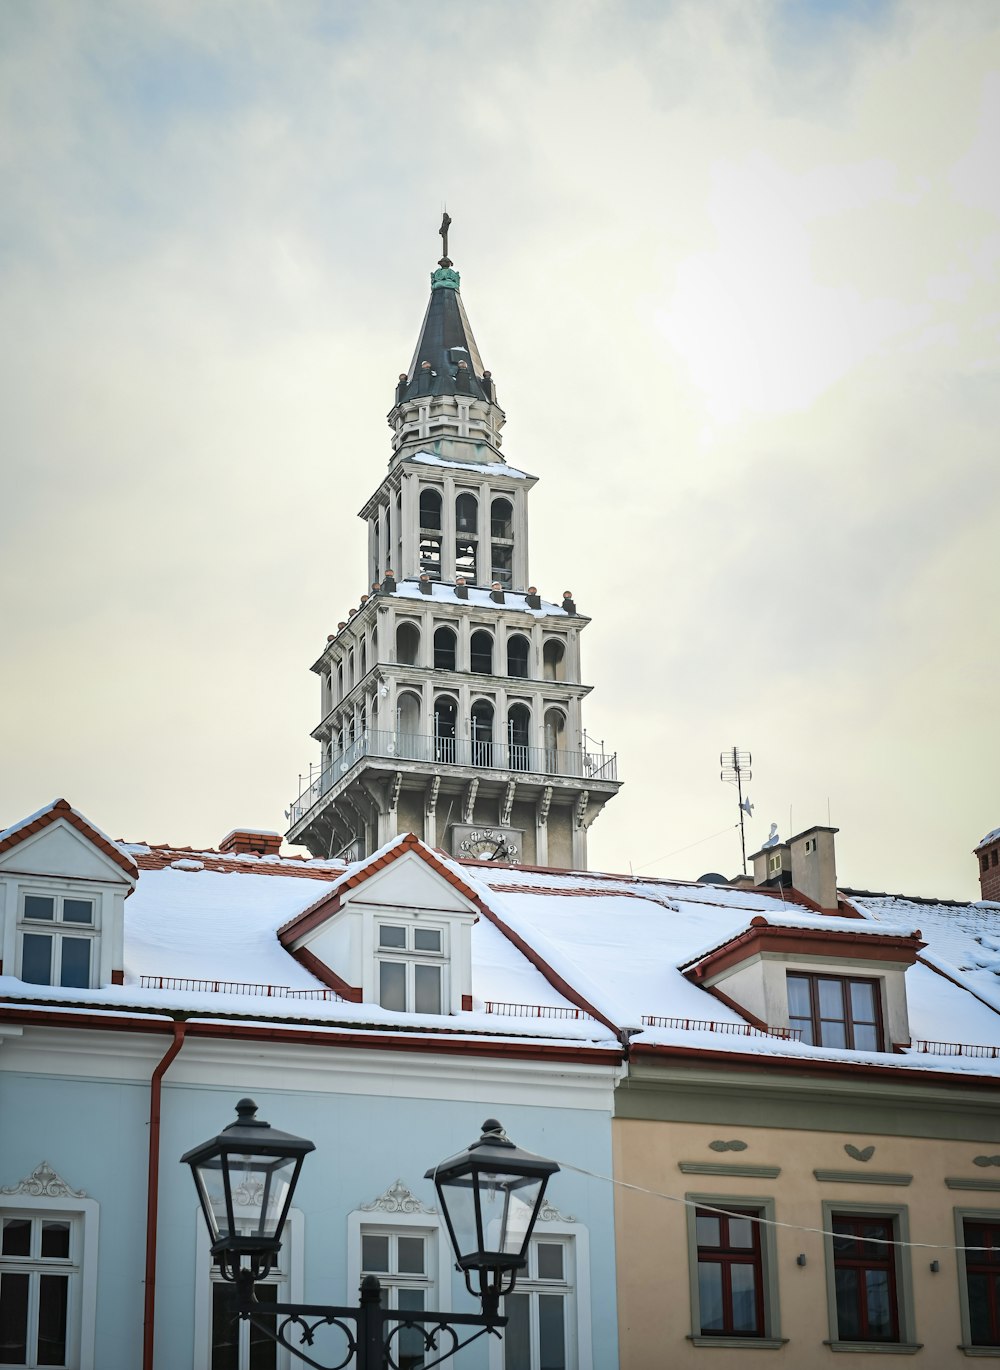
(905, 1172)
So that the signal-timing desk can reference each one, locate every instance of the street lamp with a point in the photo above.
(491, 1195)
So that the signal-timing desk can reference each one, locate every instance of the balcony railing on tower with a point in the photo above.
(450, 751)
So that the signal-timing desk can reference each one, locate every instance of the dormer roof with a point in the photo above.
(61, 809)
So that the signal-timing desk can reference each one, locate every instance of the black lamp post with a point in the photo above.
(491, 1195)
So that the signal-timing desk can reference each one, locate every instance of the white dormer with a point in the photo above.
(396, 932)
(63, 887)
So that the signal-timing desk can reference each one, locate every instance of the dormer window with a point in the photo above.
(57, 938)
(834, 1011)
(411, 967)
(774, 863)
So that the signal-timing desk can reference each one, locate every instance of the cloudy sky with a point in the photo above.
(733, 264)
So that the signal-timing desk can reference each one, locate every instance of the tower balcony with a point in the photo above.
(508, 758)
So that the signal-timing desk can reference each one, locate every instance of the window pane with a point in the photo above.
(551, 1332)
(36, 959)
(39, 906)
(411, 1255)
(427, 939)
(848, 1319)
(517, 1333)
(862, 1001)
(798, 996)
(740, 1232)
(710, 1296)
(14, 1319)
(708, 1230)
(55, 1239)
(879, 1305)
(408, 1347)
(865, 1037)
(981, 1326)
(389, 936)
(550, 1261)
(744, 1280)
(831, 999)
(374, 1252)
(427, 989)
(834, 1034)
(16, 1237)
(78, 911)
(75, 962)
(392, 985)
(225, 1328)
(52, 1319)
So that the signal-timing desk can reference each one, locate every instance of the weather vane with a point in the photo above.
(443, 230)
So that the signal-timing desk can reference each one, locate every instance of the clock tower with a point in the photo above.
(451, 698)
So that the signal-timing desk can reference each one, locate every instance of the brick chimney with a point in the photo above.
(988, 854)
(251, 842)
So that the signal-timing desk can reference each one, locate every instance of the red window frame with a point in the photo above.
(983, 1265)
(726, 1255)
(814, 1020)
(860, 1251)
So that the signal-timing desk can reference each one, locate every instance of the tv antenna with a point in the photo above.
(735, 769)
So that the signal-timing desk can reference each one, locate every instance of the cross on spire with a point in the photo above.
(443, 231)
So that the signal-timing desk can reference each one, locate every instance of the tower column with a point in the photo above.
(520, 558)
(410, 530)
(484, 552)
(448, 530)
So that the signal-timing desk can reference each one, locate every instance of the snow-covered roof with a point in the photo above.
(481, 467)
(990, 837)
(513, 599)
(62, 809)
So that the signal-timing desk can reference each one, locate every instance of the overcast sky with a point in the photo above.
(734, 269)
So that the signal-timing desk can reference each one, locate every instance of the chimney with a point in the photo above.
(988, 854)
(251, 842)
(814, 866)
(772, 865)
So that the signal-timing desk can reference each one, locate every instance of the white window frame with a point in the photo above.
(56, 928)
(83, 1214)
(290, 1281)
(410, 957)
(377, 1219)
(579, 1344)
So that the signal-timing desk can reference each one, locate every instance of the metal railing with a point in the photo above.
(451, 751)
(534, 1010)
(955, 1049)
(727, 1029)
(236, 987)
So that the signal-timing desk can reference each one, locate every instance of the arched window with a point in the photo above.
(481, 649)
(340, 681)
(519, 737)
(501, 543)
(430, 510)
(555, 741)
(553, 659)
(482, 733)
(517, 655)
(407, 643)
(363, 669)
(376, 558)
(351, 677)
(445, 717)
(467, 514)
(444, 649)
(407, 724)
(502, 519)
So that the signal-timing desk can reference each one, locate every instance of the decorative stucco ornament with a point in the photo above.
(986, 1160)
(445, 278)
(548, 1213)
(44, 1183)
(859, 1153)
(734, 1145)
(397, 1199)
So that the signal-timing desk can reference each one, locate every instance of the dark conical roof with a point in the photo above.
(444, 343)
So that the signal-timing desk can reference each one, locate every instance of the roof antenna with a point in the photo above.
(443, 230)
(735, 769)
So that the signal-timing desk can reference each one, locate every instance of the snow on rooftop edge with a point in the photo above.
(431, 459)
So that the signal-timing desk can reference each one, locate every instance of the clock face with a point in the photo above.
(490, 844)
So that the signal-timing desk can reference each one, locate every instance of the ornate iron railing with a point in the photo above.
(533, 1010)
(955, 1049)
(451, 751)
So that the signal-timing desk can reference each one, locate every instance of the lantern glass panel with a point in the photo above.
(210, 1178)
(459, 1197)
(519, 1199)
(261, 1186)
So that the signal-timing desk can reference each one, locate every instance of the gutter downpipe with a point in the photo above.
(152, 1194)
